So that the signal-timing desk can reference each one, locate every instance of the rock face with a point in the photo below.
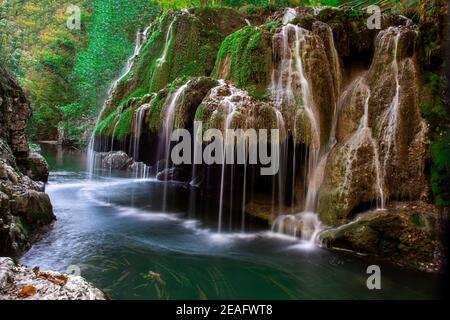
(20, 283)
(25, 207)
(34, 166)
(381, 135)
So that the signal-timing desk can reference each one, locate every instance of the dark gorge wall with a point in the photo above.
(24, 206)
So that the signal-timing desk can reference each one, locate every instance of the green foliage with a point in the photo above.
(111, 35)
(106, 126)
(440, 169)
(431, 19)
(40, 50)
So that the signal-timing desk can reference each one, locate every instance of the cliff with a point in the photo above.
(25, 208)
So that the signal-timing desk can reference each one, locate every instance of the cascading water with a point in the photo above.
(363, 136)
(161, 60)
(92, 158)
(141, 169)
(167, 132)
(289, 14)
(390, 118)
(290, 86)
(229, 106)
(141, 38)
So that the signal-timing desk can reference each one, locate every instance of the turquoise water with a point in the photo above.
(113, 229)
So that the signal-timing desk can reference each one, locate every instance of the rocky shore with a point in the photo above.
(19, 282)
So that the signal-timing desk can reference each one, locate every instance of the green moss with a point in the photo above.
(418, 220)
(330, 208)
(106, 126)
(154, 115)
(124, 124)
(245, 58)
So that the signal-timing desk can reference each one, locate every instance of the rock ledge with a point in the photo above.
(20, 283)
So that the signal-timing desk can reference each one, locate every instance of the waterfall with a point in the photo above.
(139, 116)
(229, 106)
(161, 60)
(141, 38)
(289, 14)
(390, 118)
(141, 169)
(289, 76)
(289, 86)
(363, 136)
(168, 127)
(91, 158)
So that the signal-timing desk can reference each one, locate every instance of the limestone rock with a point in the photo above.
(34, 166)
(20, 283)
(117, 160)
(381, 137)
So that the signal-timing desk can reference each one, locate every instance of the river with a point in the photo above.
(113, 230)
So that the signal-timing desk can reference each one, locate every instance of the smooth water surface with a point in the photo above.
(113, 229)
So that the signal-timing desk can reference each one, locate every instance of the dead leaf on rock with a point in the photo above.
(58, 279)
(26, 291)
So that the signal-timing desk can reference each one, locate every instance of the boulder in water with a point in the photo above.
(117, 160)
(405, 234)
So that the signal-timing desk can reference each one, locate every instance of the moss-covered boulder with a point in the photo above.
(245, 58)
(406, 234)
(227, 107)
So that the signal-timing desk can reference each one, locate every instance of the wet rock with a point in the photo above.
(34, 166)
(20, 283)
(117, 160)
(405, 233)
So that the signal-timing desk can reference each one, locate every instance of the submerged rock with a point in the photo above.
(20, 283)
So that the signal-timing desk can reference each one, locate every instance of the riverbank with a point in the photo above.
(20, 283)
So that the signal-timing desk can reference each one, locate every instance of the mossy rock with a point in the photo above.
(245, 58)
(401, 234)
(193, 43)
